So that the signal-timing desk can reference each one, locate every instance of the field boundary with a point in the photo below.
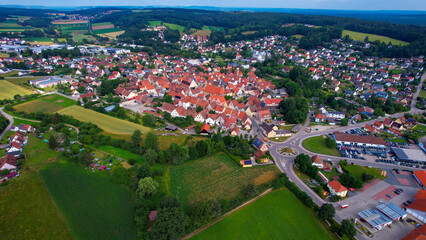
(197, 231)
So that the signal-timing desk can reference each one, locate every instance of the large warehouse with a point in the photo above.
(409, 155)
(359, 141)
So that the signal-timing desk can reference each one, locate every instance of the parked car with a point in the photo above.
(389, 196)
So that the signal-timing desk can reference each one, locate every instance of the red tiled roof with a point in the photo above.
(421, 195)
(421, 176)
(337, 186)
(416, 234)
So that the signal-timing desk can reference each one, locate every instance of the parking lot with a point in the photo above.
(378, 192)
(135, 106)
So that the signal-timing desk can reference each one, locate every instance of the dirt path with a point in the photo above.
(197, 231)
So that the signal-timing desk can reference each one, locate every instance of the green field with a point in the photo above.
(74, 28)
(154, 23)
(107, 123)
(8, 90)
(92, 206)
(215, 177)
(59, 100)
(358, 170)
(17, 122)
(121, 153)
(37, 106)
(39, 39)
(278, 215)
(372, 37)
(101, 24)
(21, 80)
(317, 145)
(213, 28)
(27, 211)
(173, 26)
(422, 94)
(106, 30)
(12, 24)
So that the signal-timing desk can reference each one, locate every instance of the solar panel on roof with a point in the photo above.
(388, 211)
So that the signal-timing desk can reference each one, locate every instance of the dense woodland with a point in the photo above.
(266, 23)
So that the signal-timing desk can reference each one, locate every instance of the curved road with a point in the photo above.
(285, 163)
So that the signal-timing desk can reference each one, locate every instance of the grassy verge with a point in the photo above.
(278, 215)
(317, 145)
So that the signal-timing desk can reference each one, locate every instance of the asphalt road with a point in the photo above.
(285, 163)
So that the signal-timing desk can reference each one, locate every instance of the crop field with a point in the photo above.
(92, 206)
(21, 80)
(215, 177)
(37, 106)
(39, 39)
(8, 90)
(59, 100)
(372, 37)
(248, 32)
(213, 28)
(107, 123)
(202, 33)
(70, 29)
(277, 215)
(317, 145)
(66, 22)
(101, 24)
(27, 211)
(12, 25)
(102, 27)
(106, 30)
(112, 34)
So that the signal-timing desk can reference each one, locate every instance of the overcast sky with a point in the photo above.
(309, 4)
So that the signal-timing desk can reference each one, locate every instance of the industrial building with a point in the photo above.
(409, 155)
(49, 82)
(382, 215)
(359, 141)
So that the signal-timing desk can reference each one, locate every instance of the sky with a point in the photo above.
(307, 4)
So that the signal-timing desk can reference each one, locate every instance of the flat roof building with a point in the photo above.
(360, 141)
(375, 218)
(409, 155)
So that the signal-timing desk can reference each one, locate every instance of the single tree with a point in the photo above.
(151, 141)
(146, 186)
(326, 211)
(136, 138)
(150, 156)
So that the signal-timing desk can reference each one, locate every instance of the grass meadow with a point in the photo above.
(92, 206)
(121, 153)
(277, 215)
(27, 210)
(107, 123)
(58, 100)
(317, 145)
(359, 36)
(215, 177)
(8, 90)
(37, 106)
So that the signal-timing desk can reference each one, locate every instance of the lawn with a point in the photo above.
(38, 106)
(39, 39)
(278, 215)
(422, 94)
(27, 211)
(121, 153)
(358, 170)
(317, 145)
(202, 33)
(215, 177)
(59, 100)
(8, 90)
(372, 37)
(107, 123)
(92, 206)
(4, 55)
